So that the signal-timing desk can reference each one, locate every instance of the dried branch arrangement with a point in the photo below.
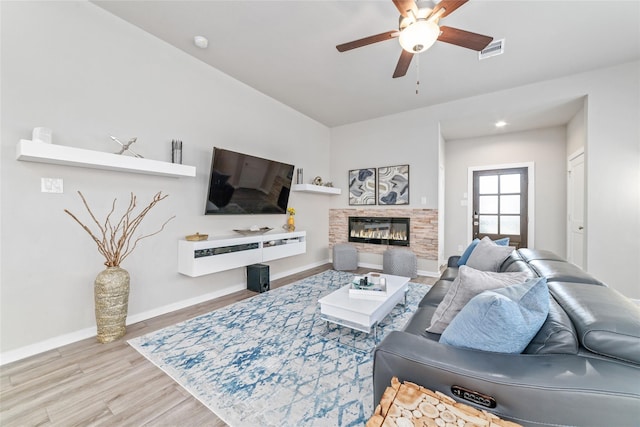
(116, 240)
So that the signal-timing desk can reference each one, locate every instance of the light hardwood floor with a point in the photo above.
(91, 384)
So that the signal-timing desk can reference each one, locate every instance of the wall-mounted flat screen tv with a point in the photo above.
(243, 184)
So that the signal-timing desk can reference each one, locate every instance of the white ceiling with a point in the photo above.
(286, 49)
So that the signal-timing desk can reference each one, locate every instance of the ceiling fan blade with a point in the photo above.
(367, 41)
(403, 64)
(449, 6)
(404, 5)
(464, 38)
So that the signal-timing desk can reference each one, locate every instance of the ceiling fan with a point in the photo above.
(419, 30)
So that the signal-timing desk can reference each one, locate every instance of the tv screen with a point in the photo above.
(244, 184)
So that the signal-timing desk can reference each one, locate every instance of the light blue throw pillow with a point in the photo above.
(503, 320)
(467, 252)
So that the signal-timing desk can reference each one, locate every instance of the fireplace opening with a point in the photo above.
(379, 231)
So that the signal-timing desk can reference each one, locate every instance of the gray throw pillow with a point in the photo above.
(503, 320)
(468, 284)
(487, 256)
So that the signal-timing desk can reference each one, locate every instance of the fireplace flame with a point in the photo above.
(379, 234)
(379, 231)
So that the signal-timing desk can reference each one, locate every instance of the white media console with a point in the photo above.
(227, 252)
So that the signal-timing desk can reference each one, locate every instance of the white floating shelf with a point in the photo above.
(310, 188)
(40, 152)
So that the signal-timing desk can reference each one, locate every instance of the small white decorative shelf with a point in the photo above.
(40, 152)
(320, 189)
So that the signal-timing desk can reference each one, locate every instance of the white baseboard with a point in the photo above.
(70, 338)
(46, 345)
(184, 303)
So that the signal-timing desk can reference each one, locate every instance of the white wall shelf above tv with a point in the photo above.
(319, 189)
(40, 152)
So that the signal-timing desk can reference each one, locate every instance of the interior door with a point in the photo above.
(500, 205)
(575, 211)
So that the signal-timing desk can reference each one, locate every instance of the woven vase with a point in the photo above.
(111, 293)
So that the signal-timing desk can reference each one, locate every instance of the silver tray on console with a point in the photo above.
(249, 232)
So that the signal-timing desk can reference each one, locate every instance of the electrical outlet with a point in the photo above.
(51, 185)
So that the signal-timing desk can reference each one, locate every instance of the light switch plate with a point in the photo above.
(51, 185)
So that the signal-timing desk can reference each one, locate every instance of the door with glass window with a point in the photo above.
(500, 205)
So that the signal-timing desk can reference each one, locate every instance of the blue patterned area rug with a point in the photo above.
(271, 361)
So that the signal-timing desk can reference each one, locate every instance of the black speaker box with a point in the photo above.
(258, 278)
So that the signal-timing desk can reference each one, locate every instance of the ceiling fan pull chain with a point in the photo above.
(417, 73)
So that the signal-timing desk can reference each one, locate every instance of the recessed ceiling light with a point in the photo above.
(201, 42)
(501, 124)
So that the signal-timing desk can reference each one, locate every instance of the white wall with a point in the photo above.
(577, 130)
(392, 140)
(86, 74)
(545, 148)
(613, 176)
(613, 152)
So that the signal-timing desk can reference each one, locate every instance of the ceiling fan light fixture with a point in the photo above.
(419, 36)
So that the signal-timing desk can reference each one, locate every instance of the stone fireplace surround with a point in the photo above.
(424, 229)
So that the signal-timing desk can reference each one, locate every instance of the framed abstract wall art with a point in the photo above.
(362, 186)
(393, 185)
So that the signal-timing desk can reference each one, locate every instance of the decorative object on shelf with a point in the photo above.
(115, 241)
(328, 184)
(196, 237)
(291, 223)
(362, 186)
(252, 230)
(393, 185)
(127, 147)
(299, 176)
(317, 180)
(176, 151)
(41, 134)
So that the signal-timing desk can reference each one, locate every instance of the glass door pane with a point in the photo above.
(510, 183)
(510, 204)
(488, 224)
(488, 185)
(488, 205)
(510, 224)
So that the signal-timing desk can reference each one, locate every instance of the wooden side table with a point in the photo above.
(411, 405)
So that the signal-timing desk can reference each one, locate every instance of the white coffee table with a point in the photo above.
(359, 313)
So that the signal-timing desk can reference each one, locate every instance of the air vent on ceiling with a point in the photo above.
(495, 48)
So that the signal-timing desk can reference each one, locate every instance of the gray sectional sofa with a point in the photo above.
(581, 369)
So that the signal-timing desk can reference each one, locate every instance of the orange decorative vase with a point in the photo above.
(291, 223)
